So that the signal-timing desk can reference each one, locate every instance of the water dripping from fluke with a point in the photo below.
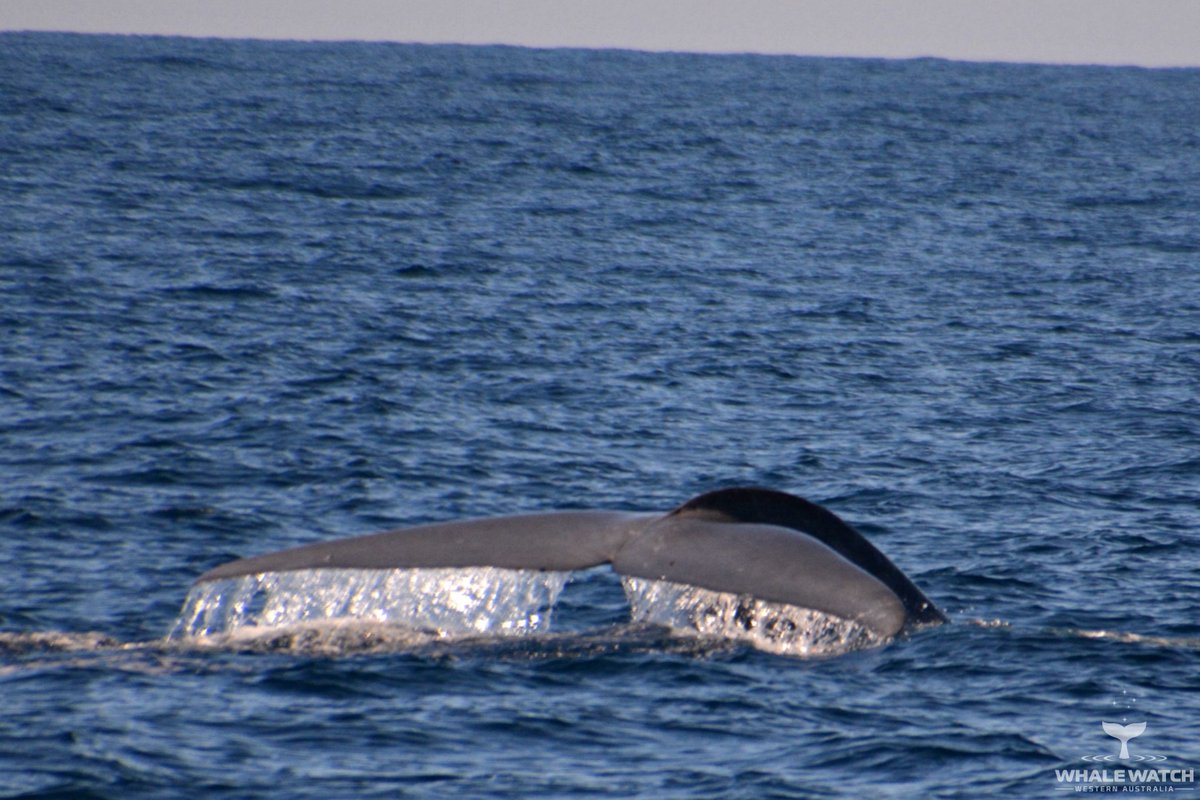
(355, 610)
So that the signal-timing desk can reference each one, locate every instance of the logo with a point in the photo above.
(1123, 733)
(1128, 773)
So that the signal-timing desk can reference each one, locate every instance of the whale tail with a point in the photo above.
(1124, 733)
(765, 544)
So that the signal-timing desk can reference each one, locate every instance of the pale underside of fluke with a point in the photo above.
(760, 543)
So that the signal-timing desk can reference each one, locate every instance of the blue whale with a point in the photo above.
(762, 543)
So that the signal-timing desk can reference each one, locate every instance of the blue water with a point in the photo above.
(256, 294)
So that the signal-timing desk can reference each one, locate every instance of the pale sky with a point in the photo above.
(1142, 32)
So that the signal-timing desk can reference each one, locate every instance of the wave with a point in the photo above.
(666, 619)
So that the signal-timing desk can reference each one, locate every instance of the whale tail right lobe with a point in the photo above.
(769, 507)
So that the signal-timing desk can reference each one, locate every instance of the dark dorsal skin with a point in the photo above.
(769, 507)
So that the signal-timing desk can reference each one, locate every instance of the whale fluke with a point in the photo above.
(757, 542)
(771, 507)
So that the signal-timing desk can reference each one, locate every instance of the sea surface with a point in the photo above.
(255, 295)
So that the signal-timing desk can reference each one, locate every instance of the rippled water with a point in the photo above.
(255, 295)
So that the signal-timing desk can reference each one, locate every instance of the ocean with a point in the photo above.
(260, 294)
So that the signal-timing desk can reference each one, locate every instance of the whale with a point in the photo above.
(759, 543)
